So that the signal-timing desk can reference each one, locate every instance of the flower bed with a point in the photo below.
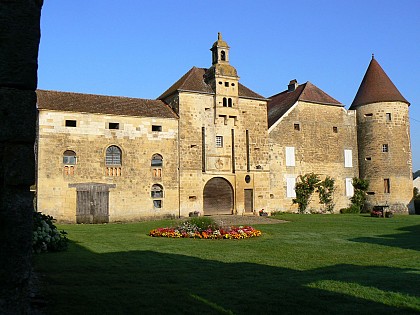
(189, 229)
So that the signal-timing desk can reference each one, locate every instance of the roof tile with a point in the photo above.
(101, 104)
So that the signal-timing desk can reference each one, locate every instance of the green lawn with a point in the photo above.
(313, 264)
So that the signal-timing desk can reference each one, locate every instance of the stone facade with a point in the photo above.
(317, 137)
(207, 145)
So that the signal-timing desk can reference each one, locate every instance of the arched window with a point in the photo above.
(157, 191)
(157, 160)
(224, 102)
(69, 157)
(157, 195)
(69, 161)
(229, 102)
(113, 155)
(223, 55)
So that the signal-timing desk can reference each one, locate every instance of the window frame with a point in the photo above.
(67, 156)
(219, 141)
(112, 156)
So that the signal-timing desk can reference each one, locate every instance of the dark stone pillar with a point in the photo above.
(19, 41)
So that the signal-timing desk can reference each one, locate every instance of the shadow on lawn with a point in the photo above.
(147, 282)
(407, 240)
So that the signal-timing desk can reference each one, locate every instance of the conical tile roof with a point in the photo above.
(376, 87)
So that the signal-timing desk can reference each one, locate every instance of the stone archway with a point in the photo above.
(218, 197)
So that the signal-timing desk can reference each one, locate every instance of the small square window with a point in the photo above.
(385, 147)
(70, 123)
(219, 141)
(335, 129)
(112, 125)
(156, 128)
(296, 127)
(388, 116)
(157, 204)
(227, 84)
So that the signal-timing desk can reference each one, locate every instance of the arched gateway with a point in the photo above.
(218, 197)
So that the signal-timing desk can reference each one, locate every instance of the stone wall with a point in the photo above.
(379, 124)
(131, 198)
(198, 111)
(319, 134)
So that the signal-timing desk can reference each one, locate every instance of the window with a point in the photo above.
(219, 141)
(388, 116)
(369, 116)
(113, 155)
(69, 157)
(290, 156)
(156, 128)
(157, 160)
(296, 127)
(223, 55)
(69, 161)
(70, 123)
(112, 125)
(386, 186)
(349, 187)
(224, 102)
(368, 158)
(157, 194)
(385, 147)
(348, 158)
(229, 102)
(290, 187)
(157, 191)
(335, 129)
(227, 84)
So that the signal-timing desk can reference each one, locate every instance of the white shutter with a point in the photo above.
(290, 187)
(290, 156)
(348, 158)
(349, 187)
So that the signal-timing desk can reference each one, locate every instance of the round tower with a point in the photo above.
(383, 135)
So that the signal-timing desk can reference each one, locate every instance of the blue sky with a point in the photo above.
(139, 48)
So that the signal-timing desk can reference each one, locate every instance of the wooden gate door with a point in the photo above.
(92, 203)
(218, 197)
(249, 200)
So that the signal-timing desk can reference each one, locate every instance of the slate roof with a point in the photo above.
(376, 87)
(194, 81)
(280, 103)
(101, 104)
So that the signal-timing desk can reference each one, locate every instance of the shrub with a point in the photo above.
(359, 197)
(350, 210)
(304, 189)
(45, 236)
(326, 190)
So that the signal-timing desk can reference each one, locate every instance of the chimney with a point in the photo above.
(292, 85)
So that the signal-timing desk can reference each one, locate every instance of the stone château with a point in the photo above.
(211, 145)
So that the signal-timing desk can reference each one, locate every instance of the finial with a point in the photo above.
(373, 56)
(219, 36)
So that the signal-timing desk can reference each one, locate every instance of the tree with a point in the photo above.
(304, 190)
(325, 191)
(359, 197)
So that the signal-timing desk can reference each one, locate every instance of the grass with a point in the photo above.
(314, 264)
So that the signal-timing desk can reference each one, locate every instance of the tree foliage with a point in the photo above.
(359, 197)
(325, 191)
(304, 190)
